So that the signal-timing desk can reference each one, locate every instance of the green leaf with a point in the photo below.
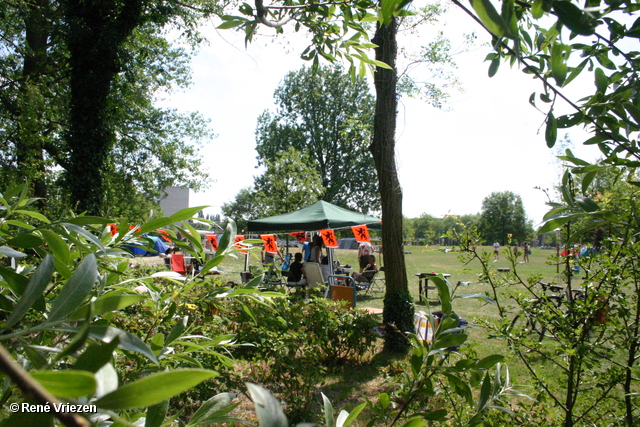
(67, 384)
(57, 245)
(417, 421)
(493, 67)
(485, 392)
(489, 361)
(214, 410)
(177, 330)
(96, 356)
(353, 415)
(489, 16)
(551, 132)
(75, 290)
(329, 420)
(35, 289)
(230, 24)
(107, 304)
(559, 62)
(154, 389)
(11, 253)
(128, 341)
(32, 214)
(25, 241)
(449, 340)
(156, 414)
(267, 407)
(574, 18)
(601, 80)
(554, 223)
(587, 204)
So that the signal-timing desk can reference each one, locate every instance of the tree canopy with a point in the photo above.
(503, 218)
(288, 184)
(46, 66)
(327, 117)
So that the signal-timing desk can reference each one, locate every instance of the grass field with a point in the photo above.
(428, 259)
(366, 379)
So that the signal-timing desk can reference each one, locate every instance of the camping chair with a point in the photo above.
(365, 281)
(378, 283)
(314, 275)
(177, 264)
(291, 284)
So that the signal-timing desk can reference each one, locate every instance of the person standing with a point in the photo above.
(496, 251)
(526, 252)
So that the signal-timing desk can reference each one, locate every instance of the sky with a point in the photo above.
(486, 139)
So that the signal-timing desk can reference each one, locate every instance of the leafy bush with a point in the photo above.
(61, 341)
(294, 343)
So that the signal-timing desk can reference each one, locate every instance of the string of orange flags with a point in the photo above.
(329, 238)
(361, 233)
(270, 243)
(239, 238)
(213, 240)
(300, 235)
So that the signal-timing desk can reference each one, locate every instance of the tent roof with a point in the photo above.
(318, 216)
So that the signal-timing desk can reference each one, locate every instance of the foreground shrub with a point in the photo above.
(293, 344)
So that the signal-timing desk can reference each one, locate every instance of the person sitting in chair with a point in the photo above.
(297, 270)
(366, 270)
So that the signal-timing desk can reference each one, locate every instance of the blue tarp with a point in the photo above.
(158, 247)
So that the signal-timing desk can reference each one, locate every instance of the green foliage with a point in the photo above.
(503, 219)
(288, 184)
(66, 301)
(300, 340)
(560, 42)
(140, 160)
(328, 117)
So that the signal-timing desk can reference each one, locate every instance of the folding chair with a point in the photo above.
(291, 283)
(314, 275)
(177, 264)
(365, 281)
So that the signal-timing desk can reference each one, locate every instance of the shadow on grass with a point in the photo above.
(348, 384)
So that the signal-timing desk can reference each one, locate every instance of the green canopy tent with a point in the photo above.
(318, 216)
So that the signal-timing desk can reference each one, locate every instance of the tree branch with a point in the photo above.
(556, 91)
(32, 389)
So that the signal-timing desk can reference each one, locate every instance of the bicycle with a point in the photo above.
(529, 319)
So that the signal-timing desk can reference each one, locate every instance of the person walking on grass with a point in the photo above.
(496, 251)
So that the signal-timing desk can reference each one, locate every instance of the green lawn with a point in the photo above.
(428, 259)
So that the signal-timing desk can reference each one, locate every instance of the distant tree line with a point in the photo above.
(502, 219)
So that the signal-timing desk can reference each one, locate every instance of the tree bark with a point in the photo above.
(398, 307)
(29, 148)
(97, 30)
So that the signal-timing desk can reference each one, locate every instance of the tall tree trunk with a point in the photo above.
(398, 307)
(30, 152)
(97, 30)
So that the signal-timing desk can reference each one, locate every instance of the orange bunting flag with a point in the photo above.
(213, 239)
(113, 229)
(300, 235)
(329, 238)
(239, 238)
(361, 233)
(270, 243)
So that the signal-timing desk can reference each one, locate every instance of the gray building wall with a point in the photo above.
(177, 198)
